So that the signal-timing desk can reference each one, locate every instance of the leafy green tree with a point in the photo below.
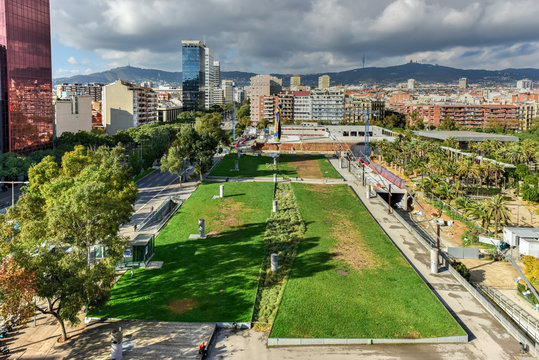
(61, 215)
(244, 111)
(448, 124)
(211, 123)
(262, 124)
(173, 162)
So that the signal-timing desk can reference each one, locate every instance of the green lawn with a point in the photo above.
(370, 293)
(201, 280)
(262, 166)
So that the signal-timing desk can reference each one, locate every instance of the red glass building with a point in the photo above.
(26, 77)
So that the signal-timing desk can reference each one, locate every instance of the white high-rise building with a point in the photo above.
(411, 84)
(463, 83)
(210, 77)
(525, 84)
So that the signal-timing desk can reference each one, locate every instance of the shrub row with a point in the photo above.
(284, 230)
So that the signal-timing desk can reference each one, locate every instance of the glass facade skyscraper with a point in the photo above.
(193, 75)
(26, 77)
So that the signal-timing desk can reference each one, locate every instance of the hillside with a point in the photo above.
(425, 73)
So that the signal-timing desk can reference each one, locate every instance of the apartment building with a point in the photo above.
(73, 114)
(262, 86)
(228, 91)
(358, 107)
(467, 115)
(126, 105)
(327, 106)
(286, 104)
(323, 82)
(68, 90)
(302, 106)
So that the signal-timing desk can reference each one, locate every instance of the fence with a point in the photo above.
(494, 311)
(526, 322)
(463, 217)
(463, 253)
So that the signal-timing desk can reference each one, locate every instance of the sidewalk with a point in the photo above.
(487, 336)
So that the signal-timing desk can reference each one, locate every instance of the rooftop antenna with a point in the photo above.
(204, 39)
(363, 61)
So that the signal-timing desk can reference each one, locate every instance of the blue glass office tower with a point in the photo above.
(193, 75)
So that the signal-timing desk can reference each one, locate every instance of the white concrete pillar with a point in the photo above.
(274, 178)
(274, 262)
(274, 206)
(221, 191)
(116, 344)
(434, 261)
(275, 161)
(201, 228)
(236, 166)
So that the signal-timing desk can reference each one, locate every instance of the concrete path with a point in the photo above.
(280, 179)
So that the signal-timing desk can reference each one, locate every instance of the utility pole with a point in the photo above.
(438, 241)
(389, 202)
(233, 122)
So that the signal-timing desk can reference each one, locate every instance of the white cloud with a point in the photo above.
(303, 36)
(72, 60)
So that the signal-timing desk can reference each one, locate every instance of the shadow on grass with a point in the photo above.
(309, 263)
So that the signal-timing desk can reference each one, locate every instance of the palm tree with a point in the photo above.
(498, 209)
(443, 190)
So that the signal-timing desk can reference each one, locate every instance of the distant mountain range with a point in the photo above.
(425, 73)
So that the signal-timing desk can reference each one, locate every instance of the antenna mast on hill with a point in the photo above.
(363, 61)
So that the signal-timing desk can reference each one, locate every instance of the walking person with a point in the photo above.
(135, 226)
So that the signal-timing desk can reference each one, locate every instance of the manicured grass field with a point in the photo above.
(349, 280)
(306, 166)
(201, 280)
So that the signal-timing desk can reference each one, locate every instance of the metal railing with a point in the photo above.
(522, 318)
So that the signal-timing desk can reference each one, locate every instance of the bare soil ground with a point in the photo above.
(227, 217)
(451, 235)
(306, 168)
(182, 305)
(498, 274)
(350, 246)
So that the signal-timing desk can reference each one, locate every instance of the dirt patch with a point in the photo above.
(226, 217)
(498, 274)
(306, 168)
(180, 306)
(450, 235)
(350, 246)
(342, 272)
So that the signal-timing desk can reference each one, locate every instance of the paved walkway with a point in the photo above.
(489, 340)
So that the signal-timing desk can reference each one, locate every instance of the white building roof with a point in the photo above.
(524, 232)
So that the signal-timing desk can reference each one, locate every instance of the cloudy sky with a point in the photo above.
(294, 36)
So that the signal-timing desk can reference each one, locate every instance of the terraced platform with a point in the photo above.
(143, 340)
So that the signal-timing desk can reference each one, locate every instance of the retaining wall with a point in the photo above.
(298, 341)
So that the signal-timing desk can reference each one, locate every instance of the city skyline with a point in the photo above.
(295, 37)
